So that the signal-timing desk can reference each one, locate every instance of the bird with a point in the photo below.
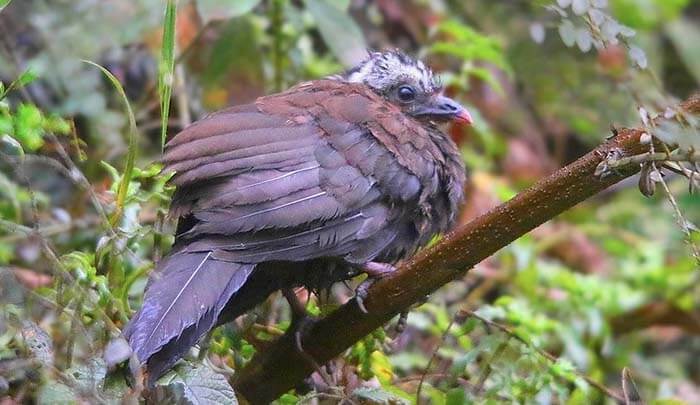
(326, 180)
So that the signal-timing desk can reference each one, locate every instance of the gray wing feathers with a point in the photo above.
(183, 300)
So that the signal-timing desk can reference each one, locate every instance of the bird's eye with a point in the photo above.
(406, 93)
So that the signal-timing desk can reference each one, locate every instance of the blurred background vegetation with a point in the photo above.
(556, 317)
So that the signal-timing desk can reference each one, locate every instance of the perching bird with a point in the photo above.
(306, 187)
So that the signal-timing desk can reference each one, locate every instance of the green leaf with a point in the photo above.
(669, 401)
(3, 4)
(11, 145)
(199, 385)
(456, 396)
(84, 378)
(131, 152)
(647, 14)
(166, 67)
(88, 376)
(224, 9)
(339, 31)
(469, 45)
(52, 393)
(28, 127)
(235, 50)
(376, 396)
(685, 35)
(26, 77)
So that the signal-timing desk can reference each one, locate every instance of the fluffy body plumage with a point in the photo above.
(319, 180)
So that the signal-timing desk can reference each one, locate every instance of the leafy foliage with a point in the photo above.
(199, 385)
(555, 317)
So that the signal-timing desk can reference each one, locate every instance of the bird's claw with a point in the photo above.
(300, 326)
(361, 294)
(401, 322)
(375, 271)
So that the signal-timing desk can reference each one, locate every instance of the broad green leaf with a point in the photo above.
(236, 54)
(339, 31)
(456, 396)
(376, 396)
(52, 393)
(685, 37)
(88, 376)
(381, 367)
(647, 14)
(84, 378)
(469, 45)
(224, 9)
(3, 4)
(131, 152)
(199, 385)
(166, 67)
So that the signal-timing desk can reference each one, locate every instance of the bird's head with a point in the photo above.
(409, 84)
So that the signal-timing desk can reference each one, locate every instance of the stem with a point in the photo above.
(684, 156)
(600, 387)
(277, 55)
(282, 367)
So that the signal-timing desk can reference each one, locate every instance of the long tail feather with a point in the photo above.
(183, 300)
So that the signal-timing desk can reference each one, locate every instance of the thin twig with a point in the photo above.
(79, 178)
(600, 387)
(682, 222)
(443, 337)
(486, 372)
(268, 329)
(18, 232)
(678, 156)
(183, 104)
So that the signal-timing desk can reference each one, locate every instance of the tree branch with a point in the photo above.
(281, 367)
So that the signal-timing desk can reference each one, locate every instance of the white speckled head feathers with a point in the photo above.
(384, 70)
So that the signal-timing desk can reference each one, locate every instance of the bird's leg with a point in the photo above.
(300, 316)
(298, 309)
(301, 319)
(375, 271)
(401, 323)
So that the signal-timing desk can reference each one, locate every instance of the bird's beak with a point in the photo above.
(443, 108)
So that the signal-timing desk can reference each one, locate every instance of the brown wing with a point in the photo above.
(287, 180)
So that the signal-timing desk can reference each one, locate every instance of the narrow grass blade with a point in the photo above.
(166, 67)
(131, 152)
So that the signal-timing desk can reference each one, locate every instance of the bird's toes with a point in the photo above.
(375, 271)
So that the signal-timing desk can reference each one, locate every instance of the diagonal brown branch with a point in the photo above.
(280, 368)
